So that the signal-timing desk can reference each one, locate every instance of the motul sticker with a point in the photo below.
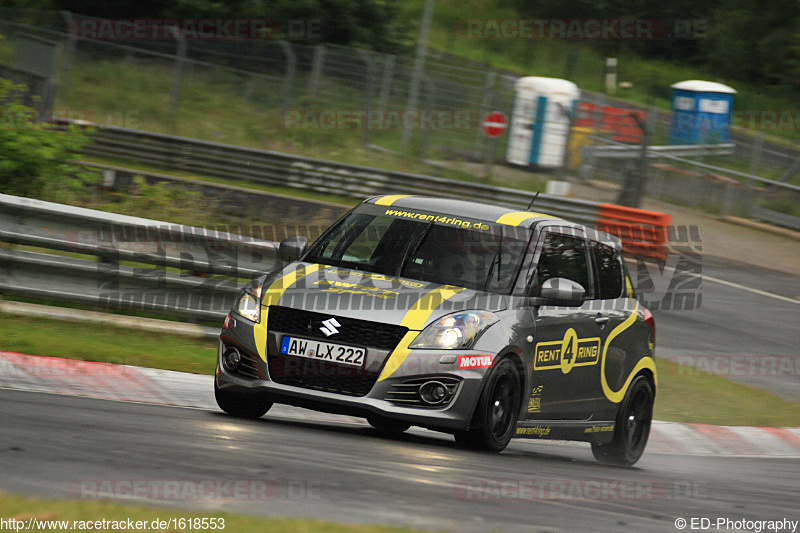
(474, 361)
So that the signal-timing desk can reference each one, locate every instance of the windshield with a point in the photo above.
(483, 259)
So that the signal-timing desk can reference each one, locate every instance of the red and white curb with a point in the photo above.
(164, 387)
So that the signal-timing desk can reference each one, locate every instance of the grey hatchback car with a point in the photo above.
(467, 318)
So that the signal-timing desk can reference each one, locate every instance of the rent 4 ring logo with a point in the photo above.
(567, 353)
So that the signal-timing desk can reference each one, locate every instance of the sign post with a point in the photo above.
(493, 125)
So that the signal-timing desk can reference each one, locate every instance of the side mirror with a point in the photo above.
(292, 249)
(562, 292)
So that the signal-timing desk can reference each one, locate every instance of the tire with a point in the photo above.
(387, 426)
(632, 427)
(241, 405)
(496, 413)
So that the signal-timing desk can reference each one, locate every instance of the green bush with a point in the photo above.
(34, 155)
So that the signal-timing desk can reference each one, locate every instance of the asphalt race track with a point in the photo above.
(746, 314)
(50, 444)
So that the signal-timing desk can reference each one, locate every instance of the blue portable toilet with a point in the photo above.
(701, 112)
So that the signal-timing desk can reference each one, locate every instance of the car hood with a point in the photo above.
(375, 297)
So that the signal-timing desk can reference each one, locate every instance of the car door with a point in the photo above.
(567, 343)
(612, 307)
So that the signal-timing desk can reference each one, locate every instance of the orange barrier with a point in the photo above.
(615, 120)
(643, 233)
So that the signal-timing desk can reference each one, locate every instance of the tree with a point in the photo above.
(34, 156)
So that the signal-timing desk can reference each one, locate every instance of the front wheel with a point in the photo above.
(632, 428)
(496, 413)
(241, 405)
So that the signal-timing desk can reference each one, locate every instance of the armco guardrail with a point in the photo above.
(137, 264)
(140, 264)
(632, 151)
(251, 165)
(284, 170)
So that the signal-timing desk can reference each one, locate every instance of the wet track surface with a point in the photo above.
(50, 444)
(734, 323)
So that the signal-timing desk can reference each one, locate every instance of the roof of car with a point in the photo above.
(464, 208)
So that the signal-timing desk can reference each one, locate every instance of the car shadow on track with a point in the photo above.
(423, 438)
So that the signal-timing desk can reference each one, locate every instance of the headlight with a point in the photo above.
(249, 304)
(458, 330)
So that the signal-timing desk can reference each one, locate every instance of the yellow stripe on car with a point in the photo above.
(415, 320)
(645, 362)
(518, 217)
(271, 297)
(390, 199)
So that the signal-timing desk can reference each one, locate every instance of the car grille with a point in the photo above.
(406, 393)
(352, 331)
(325, 375)
(320, 375)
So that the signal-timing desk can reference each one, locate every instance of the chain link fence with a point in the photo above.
(236, 91)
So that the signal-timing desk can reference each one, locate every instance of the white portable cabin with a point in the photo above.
(539, 126)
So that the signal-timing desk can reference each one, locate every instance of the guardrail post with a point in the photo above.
(633, 185)
(755, 155)
(288, 77)
(430, 92)
(316, 70)
(486, 105)
(176, 77)
(386, 82)
(728, 193)
(368, 90)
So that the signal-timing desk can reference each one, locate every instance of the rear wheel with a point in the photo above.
(241, 405)
(496, 413)
(632, 428)
(387, 425)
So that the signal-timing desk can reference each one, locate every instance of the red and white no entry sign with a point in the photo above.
(494, 124)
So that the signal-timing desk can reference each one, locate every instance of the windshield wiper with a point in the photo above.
(496, 261)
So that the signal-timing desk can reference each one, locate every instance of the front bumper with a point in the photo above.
(381, 398)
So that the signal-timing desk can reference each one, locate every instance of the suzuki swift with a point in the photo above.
(471, 319)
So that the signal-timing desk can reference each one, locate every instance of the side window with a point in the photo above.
(563, 256)
(609, 271)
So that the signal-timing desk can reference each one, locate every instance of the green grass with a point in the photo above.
(137, 96)
(684, 395)
(24, 508)
(689, 395)
(90, 342)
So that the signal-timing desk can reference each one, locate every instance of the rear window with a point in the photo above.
(609, 271)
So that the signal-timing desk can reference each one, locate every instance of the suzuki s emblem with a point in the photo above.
(329, 327)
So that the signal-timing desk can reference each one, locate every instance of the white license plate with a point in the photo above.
(324, 351)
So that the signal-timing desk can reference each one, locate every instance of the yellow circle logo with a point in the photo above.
(569, 350)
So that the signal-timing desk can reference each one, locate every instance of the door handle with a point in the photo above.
(601, 320)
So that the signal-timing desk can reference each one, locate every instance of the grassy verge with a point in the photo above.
(685, 394)
(694, 396)
(89, 342)
(24, 508)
